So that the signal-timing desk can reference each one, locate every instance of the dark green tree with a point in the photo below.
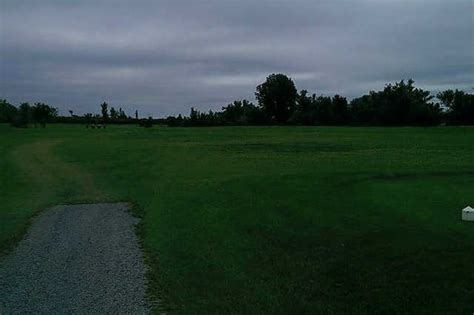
(43, 113)
(241, 113)
(459, 106)
(104, 107)
(23, 116)
(122, 114)
(399, 104)
(194, 116)
(7, 112)
(277, 96)
(305, 112)
(340, 110)
(324, 110)
(113, 114)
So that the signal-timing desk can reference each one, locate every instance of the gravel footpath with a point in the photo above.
(76, 259)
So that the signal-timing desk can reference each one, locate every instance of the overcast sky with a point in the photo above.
(163, 57)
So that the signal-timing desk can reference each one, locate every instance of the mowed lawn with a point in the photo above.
(268, 219)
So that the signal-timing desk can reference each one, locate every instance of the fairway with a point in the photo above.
(268, 219)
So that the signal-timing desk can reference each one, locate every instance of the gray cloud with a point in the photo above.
(163, 57)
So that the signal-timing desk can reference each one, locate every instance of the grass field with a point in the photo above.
(268, 219)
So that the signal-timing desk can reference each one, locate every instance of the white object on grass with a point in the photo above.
(468, 214)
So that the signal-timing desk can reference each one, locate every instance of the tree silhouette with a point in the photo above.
(105, 113)
(7, 112)
(43, 113)
(23, 117)
(122, 114)
(277, 95)
(113, 114)
(459, 105)
(399, 104)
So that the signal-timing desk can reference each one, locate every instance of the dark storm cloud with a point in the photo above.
(165, 56)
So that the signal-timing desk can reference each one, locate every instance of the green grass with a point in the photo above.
(269, 219)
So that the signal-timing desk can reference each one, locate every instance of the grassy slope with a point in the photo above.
(270, 219)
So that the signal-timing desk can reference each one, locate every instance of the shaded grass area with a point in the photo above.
(270, 219)
(33, 178)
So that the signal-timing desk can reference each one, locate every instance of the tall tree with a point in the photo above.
(277, 95)
(194, 116)
(340, 110)
(113, 114)
(122, 114)
(105, 112)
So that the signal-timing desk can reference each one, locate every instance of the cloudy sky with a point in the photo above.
(163, 57)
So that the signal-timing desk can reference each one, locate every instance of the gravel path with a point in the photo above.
(76, 259)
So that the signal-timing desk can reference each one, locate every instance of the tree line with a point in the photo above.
(39, 114)
(398, 104)
(25, 114)
(279, 102)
